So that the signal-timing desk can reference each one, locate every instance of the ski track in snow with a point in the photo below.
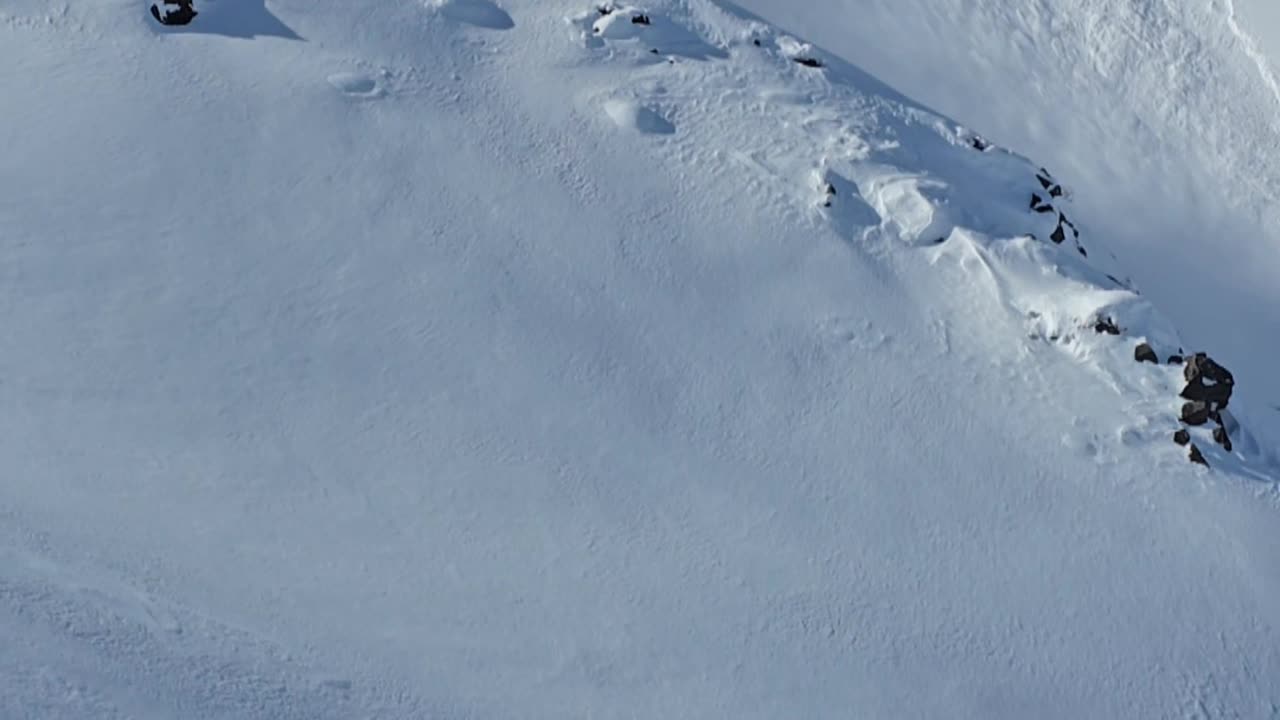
(525, 359)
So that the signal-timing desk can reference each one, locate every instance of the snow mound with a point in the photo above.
(479, 13)
(631, 115)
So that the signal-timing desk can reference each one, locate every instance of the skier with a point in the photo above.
(184, 13)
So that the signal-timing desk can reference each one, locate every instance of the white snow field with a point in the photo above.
(1162, 116)
(525, 360)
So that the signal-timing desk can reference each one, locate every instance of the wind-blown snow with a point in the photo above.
(458, 360)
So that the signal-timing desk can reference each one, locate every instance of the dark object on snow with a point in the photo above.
(1106, 325)
(755, 41)
(830, 191)
(604, 10)
(1046, 182)
(1082, 251)
(1057, 236)
(1062, 220)
(1175, 359)
(1145, 353)
(1207, 381)
(1195, 412)
(1182, 437)
(979, 144)
(183, 13)
(1197, 457)
(1221, 437)
(640, 20)
(1040, 205)
(809, 62)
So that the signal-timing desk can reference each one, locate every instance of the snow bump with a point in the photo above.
(479, 13)
(631, 115)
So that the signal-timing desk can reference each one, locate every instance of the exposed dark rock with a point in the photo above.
(1080, 249)
(829, 191)
(183, 13)
(640, 19)
(1040, 205)
(1195, 412)
(979, 144)
(1145, 353)
(1197, 457)
(1215, 395)
(604, 9)
(755, 41)
(1175, 359)
(1062, 220)
(1207, 381)
(1204, 367)
(809, 62)
(1106, 325)
(1223, 438)
(1057, 236)
(1046, 182)
(1182, 437)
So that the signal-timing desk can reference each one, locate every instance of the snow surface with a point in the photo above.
(1161, 116)
(473, 359)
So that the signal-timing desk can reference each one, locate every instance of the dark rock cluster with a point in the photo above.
(1045, 205)
(1207, 393)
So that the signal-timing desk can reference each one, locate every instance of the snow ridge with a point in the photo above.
(884, 172)
(537, 358)
(1252, 50)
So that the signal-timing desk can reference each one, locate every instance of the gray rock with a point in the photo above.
(1145, 353)
(1197, 457)
(1106, 325)
(1207, 381)
(1195, 412)
(1182, 437)
(1221, 437)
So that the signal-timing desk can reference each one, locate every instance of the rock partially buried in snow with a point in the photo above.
(631, 115)
(1145, 353)
(1196, 456)
(1195, 413)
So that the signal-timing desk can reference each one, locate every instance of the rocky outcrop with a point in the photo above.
(1145, 353)
(1106, 325)
(1208, 392)
(1207, 381)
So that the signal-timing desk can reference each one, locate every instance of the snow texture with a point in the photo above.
(534, 359)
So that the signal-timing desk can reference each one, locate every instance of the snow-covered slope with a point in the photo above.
(1161, 115)
(455, 360)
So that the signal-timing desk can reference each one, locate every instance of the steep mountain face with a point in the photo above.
(557, 359)
(1161, 115)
